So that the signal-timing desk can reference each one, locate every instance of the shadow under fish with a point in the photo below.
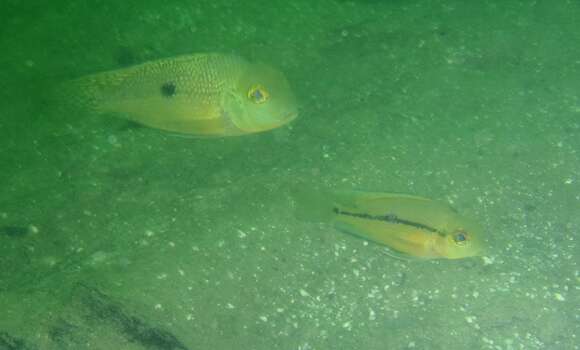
(10, 342)
(93, 311)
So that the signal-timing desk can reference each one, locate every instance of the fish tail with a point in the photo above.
(312, 205)
(87, 93)
(73, 96)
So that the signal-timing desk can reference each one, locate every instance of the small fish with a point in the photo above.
(409, 225)
(201, 94)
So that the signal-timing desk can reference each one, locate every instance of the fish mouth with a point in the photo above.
(274, 123)
(288, 117)
(284, 119)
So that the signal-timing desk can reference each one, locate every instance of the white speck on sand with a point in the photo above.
(487, 260)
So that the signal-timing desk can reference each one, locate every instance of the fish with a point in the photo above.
(410, 226)
(203, 94)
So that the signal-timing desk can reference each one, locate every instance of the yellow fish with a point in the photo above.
(201, 94)
(413, 226)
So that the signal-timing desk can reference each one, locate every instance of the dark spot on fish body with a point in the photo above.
(168, 89)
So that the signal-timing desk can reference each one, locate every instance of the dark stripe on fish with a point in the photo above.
(390, 218)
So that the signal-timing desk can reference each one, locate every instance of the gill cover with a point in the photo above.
(265, 99)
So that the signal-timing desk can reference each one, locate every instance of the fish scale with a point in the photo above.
(201, 95)
(410, 225)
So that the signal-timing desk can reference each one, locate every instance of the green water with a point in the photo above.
(115, 237)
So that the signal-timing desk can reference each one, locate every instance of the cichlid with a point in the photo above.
(201, 94)
(410, 225)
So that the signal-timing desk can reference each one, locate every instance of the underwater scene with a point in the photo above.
(293, 175)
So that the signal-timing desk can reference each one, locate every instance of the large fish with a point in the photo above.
(410, 225)
(201, 94)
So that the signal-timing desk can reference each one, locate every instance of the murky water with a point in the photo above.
(114, 236)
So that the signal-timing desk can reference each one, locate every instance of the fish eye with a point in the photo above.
(258, 94)
(460, 237)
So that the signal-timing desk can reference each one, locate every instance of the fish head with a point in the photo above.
(461, 240)
(263, 100)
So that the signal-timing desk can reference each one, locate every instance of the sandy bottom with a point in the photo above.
(119, 237)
